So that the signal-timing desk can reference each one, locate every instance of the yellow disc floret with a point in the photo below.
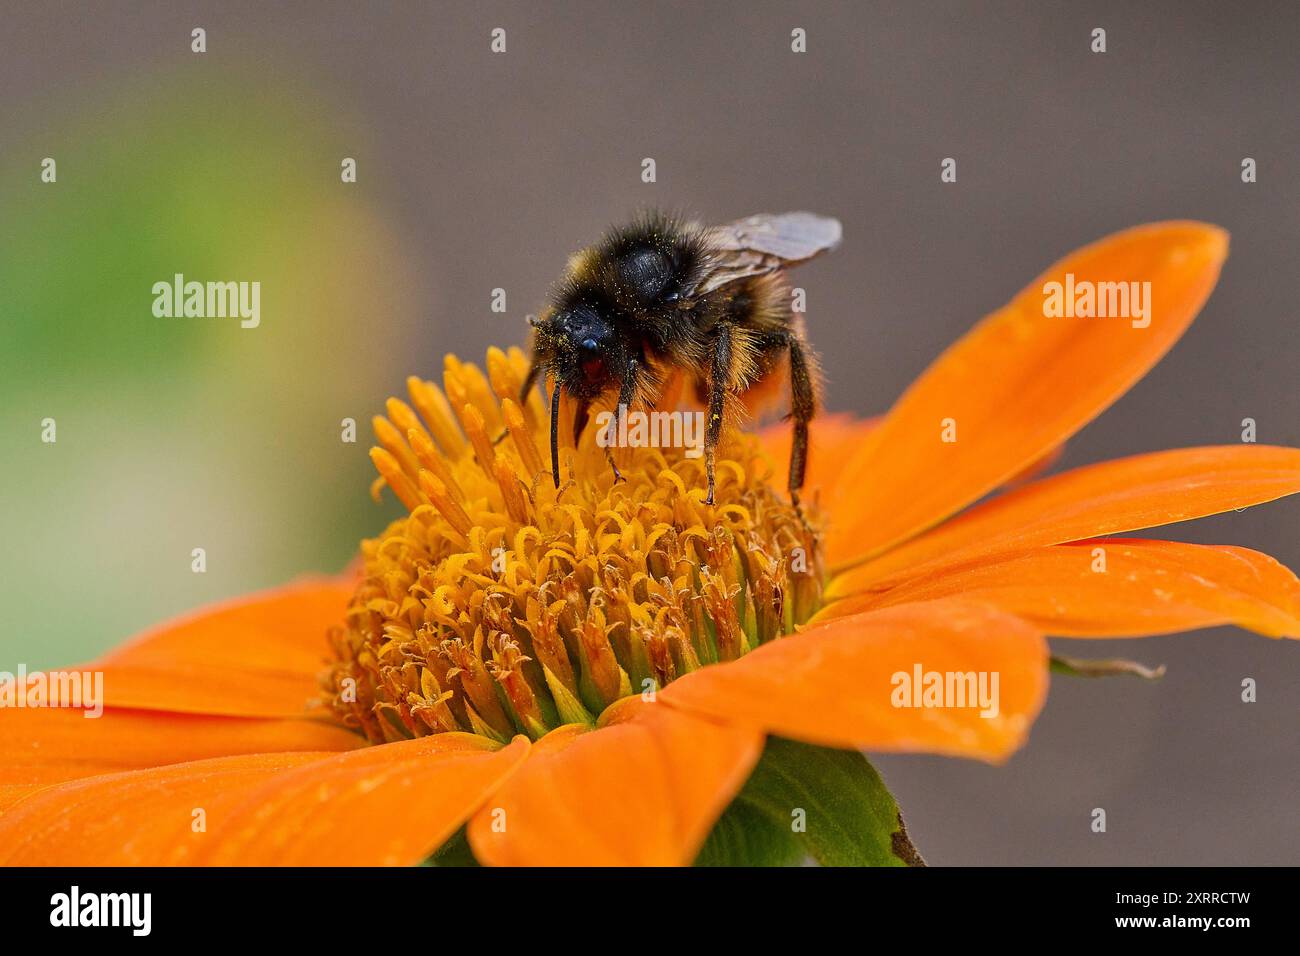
(503, 605)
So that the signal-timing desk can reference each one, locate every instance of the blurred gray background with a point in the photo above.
(489, 169)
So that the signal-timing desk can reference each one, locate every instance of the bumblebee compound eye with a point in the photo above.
(592, 360)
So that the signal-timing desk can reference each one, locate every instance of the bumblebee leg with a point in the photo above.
(719, 376)
(580, 419)
(803, 405)
(626, 395)
(555, 435)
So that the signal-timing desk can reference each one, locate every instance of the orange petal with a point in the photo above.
(257, 656)
(834, 683)
(140, 818)
(1020, 383)
(391, 804)
(1128, 588)
(44, 746)
(643, 789)
(1035, 468)
(831, 439)
(1127, 494)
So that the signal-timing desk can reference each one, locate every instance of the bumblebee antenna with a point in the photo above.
(555, 434)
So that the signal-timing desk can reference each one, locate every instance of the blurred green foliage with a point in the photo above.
(175, 434)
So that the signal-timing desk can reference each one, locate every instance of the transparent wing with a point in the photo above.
(764, 243)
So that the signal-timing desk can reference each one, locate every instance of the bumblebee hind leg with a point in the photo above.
(803, 406)
(720, 370)
(729, 358)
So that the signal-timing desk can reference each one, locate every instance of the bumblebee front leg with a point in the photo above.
(719, 376)
(580, 420)
(627, 392)
(555, 434)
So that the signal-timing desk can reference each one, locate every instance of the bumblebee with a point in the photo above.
(661, 304)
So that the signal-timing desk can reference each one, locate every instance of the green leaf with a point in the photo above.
(746, 836)
(455, 852)
(1104, 667)
(849, 817)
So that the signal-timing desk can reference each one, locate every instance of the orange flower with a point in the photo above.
(588, 675)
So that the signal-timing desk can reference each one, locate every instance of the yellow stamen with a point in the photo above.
(502, 605)
(522, 437)
(391, 471)
(433, 462)
(435, 411)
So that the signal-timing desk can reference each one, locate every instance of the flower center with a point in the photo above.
(502, 605)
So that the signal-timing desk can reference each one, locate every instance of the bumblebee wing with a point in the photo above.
(793, 237)
(764, 243)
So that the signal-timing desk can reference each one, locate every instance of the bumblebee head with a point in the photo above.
(581, 347)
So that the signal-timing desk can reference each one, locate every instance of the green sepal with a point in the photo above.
(391, 723)
(481, 726)
(589, 693)
(570, 708)
(530, 727)
(638, 666)
(742, 578)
